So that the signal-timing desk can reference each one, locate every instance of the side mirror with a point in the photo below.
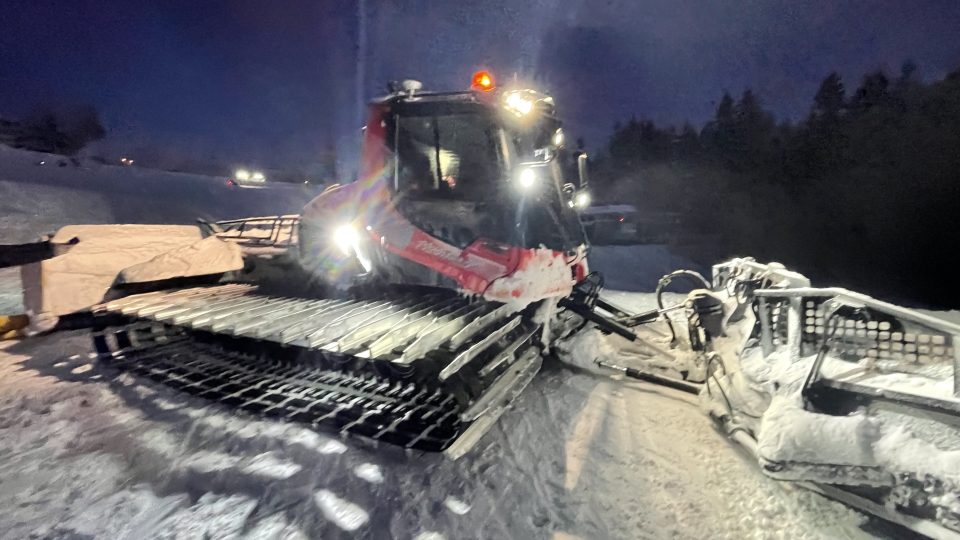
(582, 170)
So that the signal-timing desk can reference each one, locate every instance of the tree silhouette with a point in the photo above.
(830, 99)
(862, 193)
(63, 130)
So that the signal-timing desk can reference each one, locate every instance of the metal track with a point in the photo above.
(415, 372)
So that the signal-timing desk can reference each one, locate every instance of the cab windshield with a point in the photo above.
(456, 156)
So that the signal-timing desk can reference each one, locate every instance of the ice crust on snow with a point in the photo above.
(456, 506)
(429, 535)
(369, 472)
(345, 514)
(270, 465)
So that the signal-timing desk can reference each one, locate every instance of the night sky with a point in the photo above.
(272, 83)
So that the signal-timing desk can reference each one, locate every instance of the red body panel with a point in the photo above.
(490, 269)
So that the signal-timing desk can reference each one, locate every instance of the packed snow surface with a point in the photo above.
(582, 455)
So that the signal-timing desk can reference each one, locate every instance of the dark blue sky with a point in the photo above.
(271, 83)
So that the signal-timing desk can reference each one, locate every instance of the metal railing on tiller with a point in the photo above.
(269, 231)
(864, 345)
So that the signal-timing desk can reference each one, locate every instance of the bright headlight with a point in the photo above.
(558, 138)
(242, 174)
(520, 105)
(527, 178)
(257, 177)
(345, 237)
(583, 199)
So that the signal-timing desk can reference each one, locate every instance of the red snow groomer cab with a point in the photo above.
(457, 190)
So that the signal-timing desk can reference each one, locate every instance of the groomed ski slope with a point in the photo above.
(88, 453)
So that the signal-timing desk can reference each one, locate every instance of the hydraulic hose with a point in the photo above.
(634, 373)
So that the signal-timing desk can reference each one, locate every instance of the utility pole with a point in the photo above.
(361, 58)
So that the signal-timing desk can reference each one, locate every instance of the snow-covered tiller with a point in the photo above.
(850, 396)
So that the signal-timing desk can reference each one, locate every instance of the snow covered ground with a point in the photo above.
(87, 452)
(581, 455)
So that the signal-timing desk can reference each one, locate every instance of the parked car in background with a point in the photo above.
(610, 224)
(624, 224)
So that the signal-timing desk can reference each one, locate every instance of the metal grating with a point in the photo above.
(778, 314)
(885, 338)
(881, 337)
(393, 409)
(869, 336)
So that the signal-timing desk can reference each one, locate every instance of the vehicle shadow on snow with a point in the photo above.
(182, 444)
(510, 485)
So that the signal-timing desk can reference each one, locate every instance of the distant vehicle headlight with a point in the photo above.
(242, 175)
(257, 177)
